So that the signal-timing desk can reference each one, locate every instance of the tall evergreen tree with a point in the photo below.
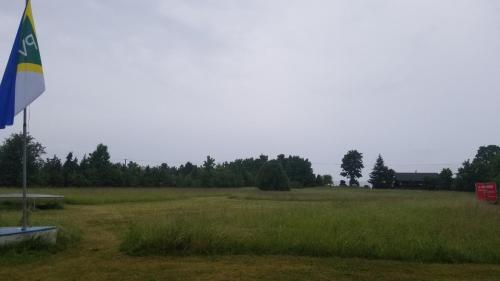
(52, 172)
(99, 169)
(70, 171)
(208, 173)
(381, 176)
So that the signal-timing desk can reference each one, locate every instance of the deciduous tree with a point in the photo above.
(352, 165)
(445, 180)
(11, 157)
(272, 176)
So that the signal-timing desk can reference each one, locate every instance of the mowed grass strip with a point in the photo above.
(118, 195)
(397, 225)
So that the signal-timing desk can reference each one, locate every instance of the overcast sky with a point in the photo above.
(175, 80)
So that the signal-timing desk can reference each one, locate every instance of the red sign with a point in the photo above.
(486, 191)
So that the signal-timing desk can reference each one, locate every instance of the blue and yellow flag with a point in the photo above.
(23, 80)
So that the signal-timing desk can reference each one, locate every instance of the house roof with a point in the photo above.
(415, 176)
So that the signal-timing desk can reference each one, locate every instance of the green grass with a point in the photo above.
(435, 227)
(245, 234)
(102, 196)
(45, 205)
(36, 249)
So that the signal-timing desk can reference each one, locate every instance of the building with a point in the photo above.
(415, 180)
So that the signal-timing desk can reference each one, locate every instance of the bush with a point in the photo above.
(272, 176)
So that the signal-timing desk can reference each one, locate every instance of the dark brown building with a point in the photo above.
(415, 180)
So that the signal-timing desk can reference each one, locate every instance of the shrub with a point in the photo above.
(272, 176)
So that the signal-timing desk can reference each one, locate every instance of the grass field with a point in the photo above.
(245, 234)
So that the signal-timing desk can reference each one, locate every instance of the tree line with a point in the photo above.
(485, 167)
(96, 169)
(282, 173)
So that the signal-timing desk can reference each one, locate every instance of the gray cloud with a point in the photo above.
(176, 80)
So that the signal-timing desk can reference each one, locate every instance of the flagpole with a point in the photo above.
(25, 188)
(25, 185)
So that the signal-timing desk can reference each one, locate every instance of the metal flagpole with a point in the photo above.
(25, 188)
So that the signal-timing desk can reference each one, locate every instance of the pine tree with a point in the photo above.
(381, 176)
(70, 171)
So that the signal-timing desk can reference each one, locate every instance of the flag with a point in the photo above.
(23, 80)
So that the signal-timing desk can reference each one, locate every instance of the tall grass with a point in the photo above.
(36, 249)
(426, 227)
